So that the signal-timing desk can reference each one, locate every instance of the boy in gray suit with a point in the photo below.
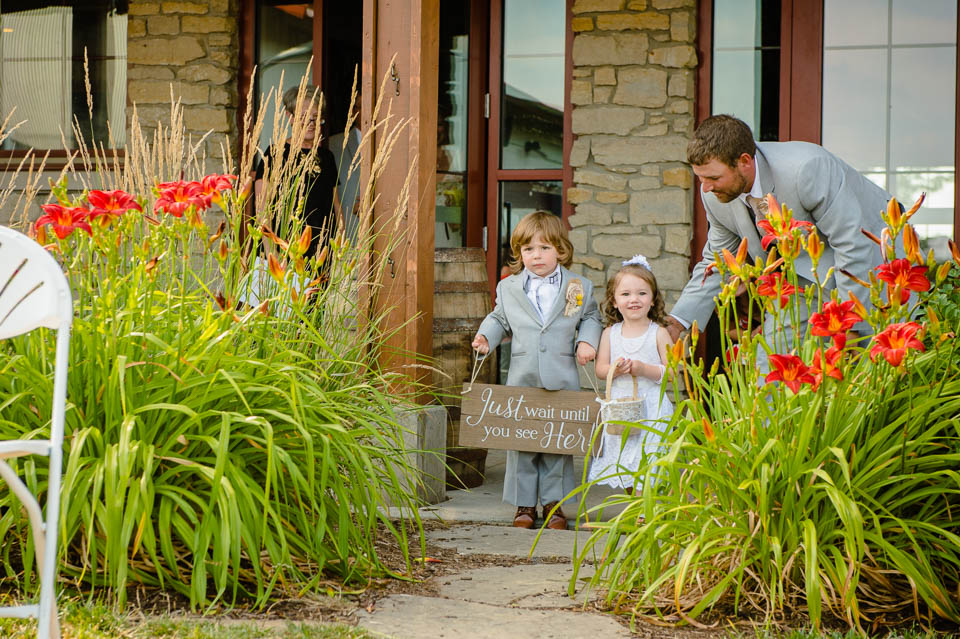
(550, 313)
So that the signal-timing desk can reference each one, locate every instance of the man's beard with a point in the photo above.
(738, 188)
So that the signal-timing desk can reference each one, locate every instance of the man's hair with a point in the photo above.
(310, 93)
(723, 137)
(550, 228)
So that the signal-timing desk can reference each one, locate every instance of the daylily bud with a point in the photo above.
(911, 244)
(708, 429)
(916, 205)
(152, 264)
(323, 255)
(773, 207)
(216, 236)
(858, 306)
(931, 258)
(954, 251)
(221, 301)
(264, 308)
(277, 270)
(694, 333)
(303, 244)
(894, 216)
(942, 272)
(773, 266)
(814, 246)
(41, 235)
(871, 236)
(742, 251)
(275, 238)
(677, 350)
(886, 244)
(222, 250)
(855, 278)
(934, 320)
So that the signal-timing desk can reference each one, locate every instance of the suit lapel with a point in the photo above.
(561, 300)
(516, 287)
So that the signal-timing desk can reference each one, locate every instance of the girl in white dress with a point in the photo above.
(635, 344)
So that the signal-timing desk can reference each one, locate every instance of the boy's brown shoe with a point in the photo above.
(558, 521)
(525, 517)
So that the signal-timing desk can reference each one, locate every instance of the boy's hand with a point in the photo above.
(585, 353)
(480, 344)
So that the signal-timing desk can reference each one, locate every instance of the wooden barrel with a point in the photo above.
(461, 299)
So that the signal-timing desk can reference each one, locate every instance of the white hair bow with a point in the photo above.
(639, 260)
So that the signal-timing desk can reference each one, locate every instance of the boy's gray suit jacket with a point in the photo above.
(542, 353)
(821, 189)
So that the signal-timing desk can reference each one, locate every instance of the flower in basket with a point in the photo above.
(64, 219)
(110, 205)
(894, 342)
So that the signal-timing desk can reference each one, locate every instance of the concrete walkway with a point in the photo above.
(528, 600)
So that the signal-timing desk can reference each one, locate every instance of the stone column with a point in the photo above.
(193, 48)
(634, 65)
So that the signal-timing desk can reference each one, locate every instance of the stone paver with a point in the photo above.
(531, 586)
(416, 617)
(503, 540)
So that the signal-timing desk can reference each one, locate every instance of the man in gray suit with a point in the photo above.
(345, 146)
(819, 188)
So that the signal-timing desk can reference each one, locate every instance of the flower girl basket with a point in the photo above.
(626, 409)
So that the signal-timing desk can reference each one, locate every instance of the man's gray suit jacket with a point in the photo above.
(819, 188)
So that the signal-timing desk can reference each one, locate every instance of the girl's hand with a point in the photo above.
(480, 344)
(623, 367)
(585, 353)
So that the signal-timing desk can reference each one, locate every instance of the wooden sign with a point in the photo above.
(528, 419)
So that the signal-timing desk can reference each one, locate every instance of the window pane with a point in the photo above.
(42, 73)
(284, 47)
(452, 124)
(531, 124)
(854, 106)
(928, 22)
(856, 22)
(923, 96)
(746, 64)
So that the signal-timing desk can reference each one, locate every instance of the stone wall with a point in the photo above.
(634, 65)
(193, 47)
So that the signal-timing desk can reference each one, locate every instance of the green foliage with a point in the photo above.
(222, 450)
(837, 498)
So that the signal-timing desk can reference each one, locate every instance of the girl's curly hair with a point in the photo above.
(611, 315)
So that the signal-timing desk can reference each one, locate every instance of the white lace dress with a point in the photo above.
(618, 456)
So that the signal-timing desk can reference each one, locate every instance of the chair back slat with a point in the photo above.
(32, 286)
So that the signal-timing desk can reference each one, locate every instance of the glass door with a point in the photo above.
(526, 140)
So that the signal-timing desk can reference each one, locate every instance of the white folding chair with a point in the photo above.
(34, 292)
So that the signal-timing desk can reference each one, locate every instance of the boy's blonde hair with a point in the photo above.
(656, 313)
(550, 228)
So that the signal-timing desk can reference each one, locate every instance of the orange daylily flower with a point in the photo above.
(64, 219)
(825, 364)
(835, 319)
(790, 370)
(899, 274)
(894, 342)
(176, 197)
(111, 204)
(774, 285)
(911, 244)
(277, 270)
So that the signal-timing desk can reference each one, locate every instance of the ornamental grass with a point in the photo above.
(229, 433)
(826, 488)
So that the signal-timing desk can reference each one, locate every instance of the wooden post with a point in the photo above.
(401, 40)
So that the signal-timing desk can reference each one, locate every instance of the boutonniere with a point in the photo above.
(574, 297)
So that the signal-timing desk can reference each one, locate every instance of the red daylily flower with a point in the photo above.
(775, 285)
(826, 364)
(64, 219)
(834, 320)
(732, 354)
(176, 197)
(900, 273)
(110, 204)
(211, 185)
(784, 234)
(790, 370)
(894, 342)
